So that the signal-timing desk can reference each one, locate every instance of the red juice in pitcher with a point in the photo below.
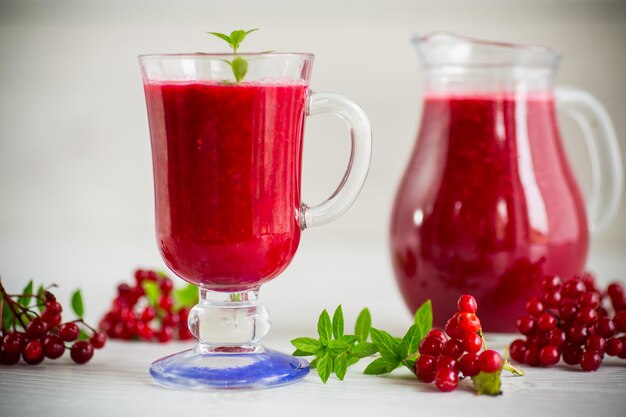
(227, 164)
(487, 206)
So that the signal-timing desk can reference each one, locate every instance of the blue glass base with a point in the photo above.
(263, 368)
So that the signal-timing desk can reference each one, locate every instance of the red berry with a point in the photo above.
(446, 361)
(567, 311)
(551, 283)
(589, 280)
(148, 314)
(33, 352)
(52, 317)
(166, 286)
(452, 348)
(446, 379)
(577, 334)
(166, 302)
(467, 304)
(144, 331)
(53, 347)
(534, 307)
(573, 289)
(13, 342)
(430, 345)
(139, 276)
(586, 316)
(170, 320)
(549, 355)
(469, 364)
(69, 332)
(452, 328)
(184, 333)
(98, 340)
(517, 350)
(605, 327)
(183, 315)
(546, 322)
(556, 338)
(552, 299)
(52, 305)
(613, 347)
(35, 329)
(165, 335)
(615, 292)
(590, 361)
(590, 299)
(468, 322)
(490, 361)
(620, 322)
(532, 356)
(596, 343)
(81, 352)
(572, 354)
(525, 325)
(472, 343)
(622, 354)
(425, 368)
(8, 358)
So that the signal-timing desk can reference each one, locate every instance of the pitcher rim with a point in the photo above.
(221, 55)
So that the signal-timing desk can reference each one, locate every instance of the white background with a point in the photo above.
(75, 169)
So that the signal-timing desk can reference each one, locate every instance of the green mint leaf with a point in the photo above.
(41, 298)
(8, 319)
(352, 360)
(363, 350)
(363, 325)
(349, 338)
(221, 36)
(82, 335)
(409, 363)
(338, 347)
(77, 304)
(185, 297)
(338, 322)
(487, 383)
(424, 318)
(152, 291)
(341, 366)
(387, 345)
(240, 68)
(24, 300)
(411, 340)
(307, 344)
(324, 367)
(381, 366)
(299, 352)
(313, 364)
(324, 328)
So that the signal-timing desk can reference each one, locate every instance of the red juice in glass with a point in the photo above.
(227, 164)
(487, 206)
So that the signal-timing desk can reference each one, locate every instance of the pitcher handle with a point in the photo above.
(358, 165)
(601, 141)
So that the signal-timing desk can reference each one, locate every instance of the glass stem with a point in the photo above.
(229, 321)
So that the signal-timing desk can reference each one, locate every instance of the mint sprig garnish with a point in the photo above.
(335, 351)
(239, 64)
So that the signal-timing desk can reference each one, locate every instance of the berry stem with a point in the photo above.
(509, 367)
(6, 297)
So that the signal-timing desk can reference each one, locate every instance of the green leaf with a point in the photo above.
(186, 296)
(77, 304)
(299, 352)
(324, 328)
(82, 335)
(338, 322)
(324, 367)
(411, 340)
(363, 350)
(221, 36)
(387, 345)
(41, 298)
(424, 318)
(313, 364)
(240, 68)
(307, 344)
(363, 325)
(8, 319)
(24, 300)
(349, 338)
(409, 363)
(487, 383)
(152, 291)
(338, 346)
(341, 366)
(381, 366)
(352, 360)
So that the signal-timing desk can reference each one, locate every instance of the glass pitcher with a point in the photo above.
(488, 204)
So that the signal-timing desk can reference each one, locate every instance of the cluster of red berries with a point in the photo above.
(131, 315)
(44, 336)
(445, 356)
(568, 321)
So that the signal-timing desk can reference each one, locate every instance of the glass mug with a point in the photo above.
(227, 173)
(488, 204)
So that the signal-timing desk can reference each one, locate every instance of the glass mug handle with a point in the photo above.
(601, 141)
(358, 165)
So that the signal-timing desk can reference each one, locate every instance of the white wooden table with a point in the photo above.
(116, 383)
